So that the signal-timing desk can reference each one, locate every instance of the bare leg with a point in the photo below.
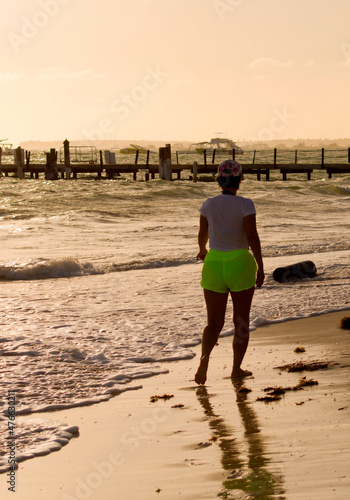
(216, 309)
(241, 309)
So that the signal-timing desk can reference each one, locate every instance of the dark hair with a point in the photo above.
(229, 182)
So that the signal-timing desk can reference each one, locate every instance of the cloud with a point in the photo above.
(260, 78)
(268, 62)
(185, 81)
(64, 72)
(10, 77)
(311, 64)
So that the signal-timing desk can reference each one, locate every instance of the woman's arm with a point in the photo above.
(203, 236)
(249, 223)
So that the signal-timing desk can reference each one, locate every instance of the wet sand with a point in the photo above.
(213, 440)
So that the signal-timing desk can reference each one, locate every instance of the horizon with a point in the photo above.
(250, 71)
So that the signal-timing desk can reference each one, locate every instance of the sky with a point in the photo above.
(174, 70)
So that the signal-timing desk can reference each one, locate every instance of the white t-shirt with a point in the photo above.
(225, 214)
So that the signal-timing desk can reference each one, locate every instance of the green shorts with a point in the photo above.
(231, 271)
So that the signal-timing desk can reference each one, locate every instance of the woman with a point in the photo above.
(228, 222)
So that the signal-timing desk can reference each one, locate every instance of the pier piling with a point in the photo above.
(165, 171)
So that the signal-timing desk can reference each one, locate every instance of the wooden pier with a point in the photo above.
(164, 169)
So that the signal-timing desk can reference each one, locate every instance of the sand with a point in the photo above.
(213, 440)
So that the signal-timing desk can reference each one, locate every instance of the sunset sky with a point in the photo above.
(175, 69)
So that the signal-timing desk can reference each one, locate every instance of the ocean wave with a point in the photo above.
(151, 264)
(46, 269)
(305, 248)
(331, 189)
(42, 269)
(69, 267)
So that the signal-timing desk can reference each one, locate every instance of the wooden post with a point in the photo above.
(233, 154)
(275, 156)
(19, 163)
(168, 173)
(107, 155)
(254, 156)
(53, 154)
(68, 170)
(165, 171)
(161, 163)
(27, 157)
(296, 156)
(51, 173)
(348, 155)
(213, 158)
(195, 171)
(147, 157)
(177, 158)
(0, 158)
(322, 157)
(136, 156)
(205, 156)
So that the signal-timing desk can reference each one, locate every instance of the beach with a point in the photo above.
(214, 441)
(101, 309)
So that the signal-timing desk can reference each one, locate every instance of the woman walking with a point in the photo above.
(228, 222)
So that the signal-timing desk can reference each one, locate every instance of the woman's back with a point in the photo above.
(225, 214)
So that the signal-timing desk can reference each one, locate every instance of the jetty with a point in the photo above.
(73, 161)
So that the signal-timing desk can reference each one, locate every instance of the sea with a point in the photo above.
(100, 286)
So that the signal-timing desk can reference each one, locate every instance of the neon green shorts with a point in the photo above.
(231, 271)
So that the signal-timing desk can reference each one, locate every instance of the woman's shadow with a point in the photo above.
(247, 461)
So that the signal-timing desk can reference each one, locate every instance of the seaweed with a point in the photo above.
(301, 366)
(244, 390)
(268, 399)
(299, 349)
(165, 397)
(276, 393)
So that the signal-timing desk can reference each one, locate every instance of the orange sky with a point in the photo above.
(175, 69)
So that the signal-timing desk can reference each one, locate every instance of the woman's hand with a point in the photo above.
(201, 254)
(260, 277)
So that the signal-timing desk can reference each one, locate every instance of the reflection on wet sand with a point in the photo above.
(249, 475)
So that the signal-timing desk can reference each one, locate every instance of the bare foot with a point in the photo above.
(240, 373)
(201, 375)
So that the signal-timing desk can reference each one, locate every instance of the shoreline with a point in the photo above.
(129, 445)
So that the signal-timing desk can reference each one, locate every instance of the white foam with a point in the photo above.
(35, 437)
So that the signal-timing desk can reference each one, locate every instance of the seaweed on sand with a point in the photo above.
(301, 366)
(276, 393)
